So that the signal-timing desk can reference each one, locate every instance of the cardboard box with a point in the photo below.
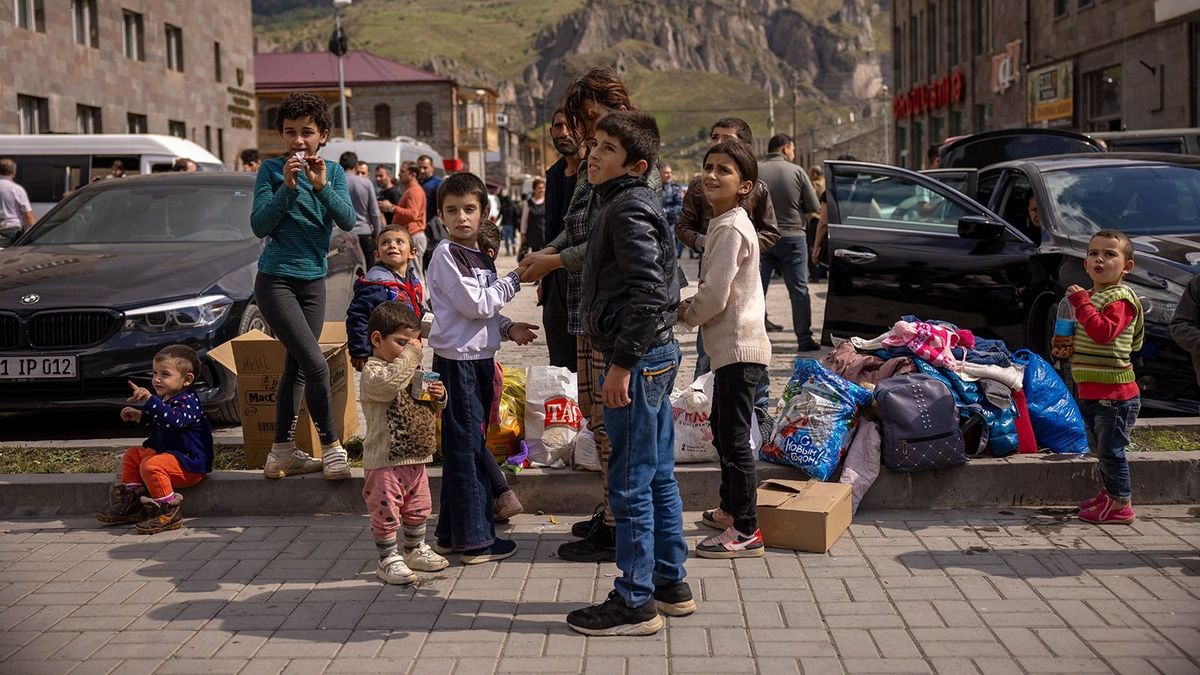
(803, 515)
(257, 360)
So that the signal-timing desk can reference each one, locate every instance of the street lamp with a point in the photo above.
(338, 45)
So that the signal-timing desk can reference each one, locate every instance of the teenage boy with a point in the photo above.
(466, 297)
(630, 294)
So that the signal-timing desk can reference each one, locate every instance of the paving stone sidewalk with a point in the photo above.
(991, 591)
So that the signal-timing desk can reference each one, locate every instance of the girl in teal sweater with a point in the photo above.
(298, 198)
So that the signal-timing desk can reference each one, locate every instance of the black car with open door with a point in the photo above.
(906, 243)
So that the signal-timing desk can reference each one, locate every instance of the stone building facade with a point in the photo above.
(966, 66)
(173, 67)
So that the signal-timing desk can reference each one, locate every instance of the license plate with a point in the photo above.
(38, 368)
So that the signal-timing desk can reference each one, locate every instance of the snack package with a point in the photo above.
(419, 389)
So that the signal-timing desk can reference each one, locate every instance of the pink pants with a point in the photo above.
(394, 494)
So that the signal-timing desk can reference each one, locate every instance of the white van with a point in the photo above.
(389, 153)
(50, 166)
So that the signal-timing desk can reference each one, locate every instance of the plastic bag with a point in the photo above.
(552, 416)
(503, 437)
(1057, 422)
(690, 409)
(815, 416)
(583, 455)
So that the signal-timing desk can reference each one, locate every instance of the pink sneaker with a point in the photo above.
(1109, 512)
(717, 519)
(1090, 503)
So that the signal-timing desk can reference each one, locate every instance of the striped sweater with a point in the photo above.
(1108, 362)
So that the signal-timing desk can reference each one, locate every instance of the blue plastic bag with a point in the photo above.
(817, 412)
(1055, 416)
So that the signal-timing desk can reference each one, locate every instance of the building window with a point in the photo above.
(980, 118)
(135, 43)
(86, 31)
(978, 26)
(177, 128)
(217, 61)
(221, 144)
(1103, 95)
(956, 123)
(174, 44)
(383, 120)
(34, 112)
(936, 130)
(914, 31)
(931, 39)
(208, 138)
(955, 29)
(424, 119)
(268, 118)
(1061, 7)
(136, 124)
(30, 15)
(918, 146)
(897, 49)
(1086, 3)
(87, 119)
(342, 126)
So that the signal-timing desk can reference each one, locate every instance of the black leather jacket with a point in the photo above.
(630, 286)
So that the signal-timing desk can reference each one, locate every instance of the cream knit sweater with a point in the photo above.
(400, 430)
(729, 304)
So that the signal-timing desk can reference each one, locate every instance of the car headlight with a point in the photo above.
(1158, 304)
(194, 313)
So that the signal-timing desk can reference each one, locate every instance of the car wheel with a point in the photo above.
(229, 413)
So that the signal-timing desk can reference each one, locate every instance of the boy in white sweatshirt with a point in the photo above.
(467, 296)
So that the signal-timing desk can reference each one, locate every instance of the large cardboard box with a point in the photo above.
(257, 360)
(803, 515)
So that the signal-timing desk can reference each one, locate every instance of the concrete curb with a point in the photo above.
(1020, 480)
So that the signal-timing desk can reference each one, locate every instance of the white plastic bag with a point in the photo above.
(693, 434)
(552, 416)
(584, 456)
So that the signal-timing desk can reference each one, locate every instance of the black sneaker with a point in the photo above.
(614, 617)
(675, 599)
(773, 327)
(584, 527)
(599, 546)
(499, 550)
(809, 345)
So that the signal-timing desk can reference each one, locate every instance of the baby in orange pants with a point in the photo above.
(178, 453)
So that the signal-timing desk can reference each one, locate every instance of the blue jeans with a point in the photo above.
(1108, 425)
(790, 256)
(465, 502)
(641, 479)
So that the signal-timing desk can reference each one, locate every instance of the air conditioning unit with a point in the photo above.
(501, 119)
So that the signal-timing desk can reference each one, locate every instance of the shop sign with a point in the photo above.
(926, 97)
(241, 108)
(1050, 93)
(1006, 67)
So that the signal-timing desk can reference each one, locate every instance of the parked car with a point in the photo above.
(906, 243)
(991, 147)
(386, 153)
(1177, 141)
(120, 269)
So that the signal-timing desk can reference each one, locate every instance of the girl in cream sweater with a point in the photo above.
(731, 307)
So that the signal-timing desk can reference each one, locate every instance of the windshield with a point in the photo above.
(1137, 200)
(162, 213)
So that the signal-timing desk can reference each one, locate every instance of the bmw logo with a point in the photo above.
(30, 299)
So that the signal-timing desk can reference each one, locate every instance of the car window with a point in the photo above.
(1135, 199)
(1017, 208)
(883, 200)
(987, 185)
(125, 215)
(1171, 145)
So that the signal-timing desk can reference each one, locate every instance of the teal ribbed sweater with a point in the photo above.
(297, 224)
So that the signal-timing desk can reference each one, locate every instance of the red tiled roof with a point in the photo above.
(318, 70)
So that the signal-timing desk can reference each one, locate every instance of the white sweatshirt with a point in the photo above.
(466, 296)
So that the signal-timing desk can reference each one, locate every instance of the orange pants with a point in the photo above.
(158, 471)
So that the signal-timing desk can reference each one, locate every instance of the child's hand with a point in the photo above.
(437, 390)
(358, 362)
(1074, 288)
(522, 333)
(139, 395)
(131, 415)
(616, 387)
(314, 168)
(292, 168)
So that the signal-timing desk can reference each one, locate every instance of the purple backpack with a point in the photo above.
(919, 423)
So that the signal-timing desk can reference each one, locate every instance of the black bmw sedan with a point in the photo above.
(121, 268)
(998, 259)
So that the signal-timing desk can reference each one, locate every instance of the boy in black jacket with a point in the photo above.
(1185, 325)
(630, 293)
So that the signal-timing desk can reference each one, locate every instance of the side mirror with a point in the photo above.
(980, 227)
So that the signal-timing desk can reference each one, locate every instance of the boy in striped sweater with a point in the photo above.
(1109, 328)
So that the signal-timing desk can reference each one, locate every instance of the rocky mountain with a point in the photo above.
(689, 61)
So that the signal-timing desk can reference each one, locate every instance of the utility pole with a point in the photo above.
(338, 45)
(795, 102)
(770, 115)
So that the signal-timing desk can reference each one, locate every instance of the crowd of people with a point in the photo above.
(612, 227)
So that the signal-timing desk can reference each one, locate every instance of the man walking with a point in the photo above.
(410, 212)
(672, 203)
(792, 196)
(552, 292)
(16, 213)
(430, 183)
(388, 194)
(366, 207)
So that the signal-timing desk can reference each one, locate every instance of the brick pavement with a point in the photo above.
(905, 591)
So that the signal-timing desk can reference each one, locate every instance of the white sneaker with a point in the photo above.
(424, 559)
(392, 570)
(292, 463)
(335, 465)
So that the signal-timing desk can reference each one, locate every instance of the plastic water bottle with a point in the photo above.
(1062, 343)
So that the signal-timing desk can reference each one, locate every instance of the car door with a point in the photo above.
(897, 250)
(964, 180)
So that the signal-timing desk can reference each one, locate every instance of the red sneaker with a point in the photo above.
(1109, 512)
(1091, 503)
